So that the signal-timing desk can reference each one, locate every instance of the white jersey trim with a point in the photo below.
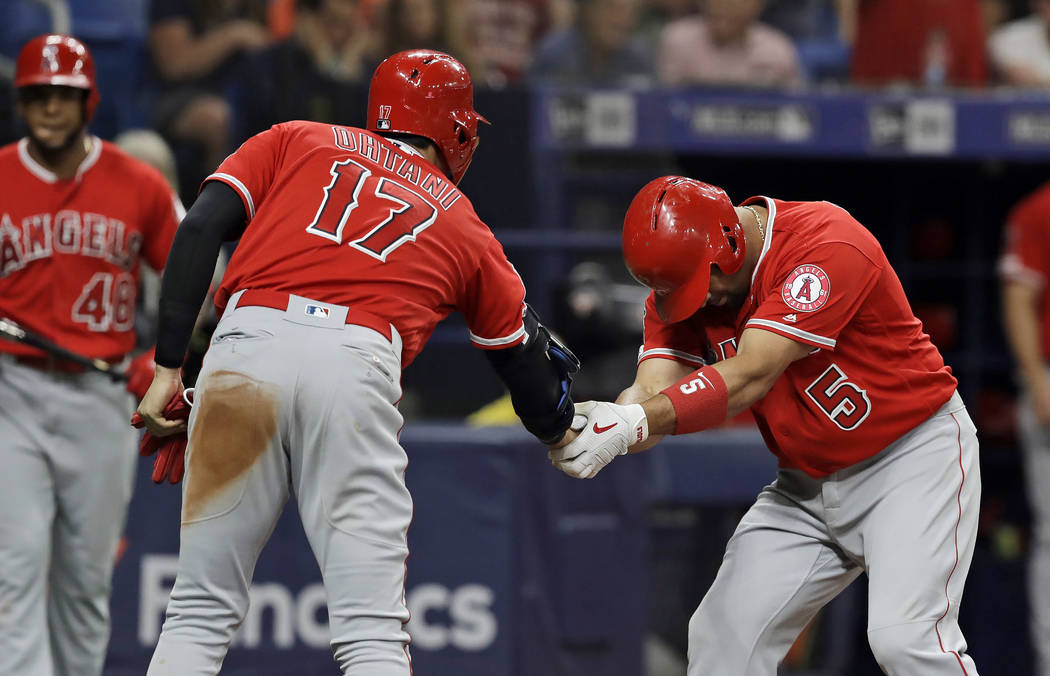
(492, 342)
(771, 216)
(791, 330)
(667, 353)
(1011, 267)
(48, 176)
(241, 188)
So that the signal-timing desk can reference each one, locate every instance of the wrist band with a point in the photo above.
(700, 400)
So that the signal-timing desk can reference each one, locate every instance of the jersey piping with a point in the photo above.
(668, 353)
(798, 333)
(240, 187)
(493, 342)
(771, 209)
(48, 176)
(1012, 267)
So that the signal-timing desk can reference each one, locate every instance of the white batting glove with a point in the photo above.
(606, 432)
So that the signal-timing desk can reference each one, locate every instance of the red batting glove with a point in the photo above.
(140, 374)
(170, 462)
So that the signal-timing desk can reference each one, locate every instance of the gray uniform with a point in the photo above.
(1035, 446)
(287, 403)
(67, 460)
(907, 517)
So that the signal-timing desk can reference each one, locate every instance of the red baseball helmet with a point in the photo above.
(58, 60)
(428, 94)
(675, 229)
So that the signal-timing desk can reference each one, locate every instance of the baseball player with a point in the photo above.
(1025, 268)
(76, 216)
(809, 326)
(354, 244)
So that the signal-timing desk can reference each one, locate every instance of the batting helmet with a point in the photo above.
(428, 94)
(58, 60)
(675, 229)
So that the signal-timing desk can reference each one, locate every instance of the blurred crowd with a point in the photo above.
(208, 73)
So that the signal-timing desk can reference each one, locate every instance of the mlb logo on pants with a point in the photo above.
(318, 311)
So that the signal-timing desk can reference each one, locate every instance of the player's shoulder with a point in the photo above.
(309, 129)
(9, 157)
(1034, 206)
(9, 151)
(811, 227)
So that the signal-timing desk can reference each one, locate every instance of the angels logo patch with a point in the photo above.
(807, 289)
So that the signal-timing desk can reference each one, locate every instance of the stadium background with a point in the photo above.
(516, 570)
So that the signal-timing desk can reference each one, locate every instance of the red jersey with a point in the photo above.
(70, 249)
(1026, 257)
(344, 216)
(823, 280)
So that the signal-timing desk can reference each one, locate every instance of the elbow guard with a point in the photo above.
(538, 372)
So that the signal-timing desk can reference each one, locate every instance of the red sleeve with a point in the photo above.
(1026, 256)
(679, 342)
(250, 170)
(164, 212)
(811, 303)
(493, 301)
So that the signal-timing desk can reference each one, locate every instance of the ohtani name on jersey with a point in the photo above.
(68, 232)
(367, 146)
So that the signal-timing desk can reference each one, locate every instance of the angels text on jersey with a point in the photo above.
(40, 236)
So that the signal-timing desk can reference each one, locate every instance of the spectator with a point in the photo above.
(426, 24)
(813, 26)
(919, 42)
(1020, 50)
(506, 33)
(336, 36)
(727, 45)
(196, 47)
(602, 48)
(318, 73)
(656, 14)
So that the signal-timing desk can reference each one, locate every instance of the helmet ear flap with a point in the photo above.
(674, 230)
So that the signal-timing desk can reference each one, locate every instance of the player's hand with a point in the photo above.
(607, 430)
(140, 373)
(167, 384)
(578, 423)
(170, 461)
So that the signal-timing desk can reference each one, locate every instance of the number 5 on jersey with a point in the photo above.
(408, 215)
(846, 404)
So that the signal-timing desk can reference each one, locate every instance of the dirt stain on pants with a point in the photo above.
(235, 425)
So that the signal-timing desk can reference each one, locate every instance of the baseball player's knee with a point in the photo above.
(909, 647)
(24, 556)
(712, 634)
(372, 658)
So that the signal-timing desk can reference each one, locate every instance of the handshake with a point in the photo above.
(603, 431)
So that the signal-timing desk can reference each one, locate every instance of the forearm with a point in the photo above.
(713, 394)
(1023, 333)
(180, 57)
(216, 216)
(744, 387)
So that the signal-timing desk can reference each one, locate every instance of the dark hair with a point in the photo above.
(414, 140)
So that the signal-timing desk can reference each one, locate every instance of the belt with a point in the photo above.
(278, 300)
(52, 364)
